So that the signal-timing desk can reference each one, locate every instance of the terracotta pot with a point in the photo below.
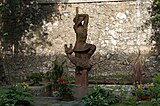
(145, 97)
(66, 96)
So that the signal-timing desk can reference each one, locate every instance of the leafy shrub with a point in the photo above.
(156, 14)
(64, 86)
(130, 101)
(15, 94)
(155, 90)
(55, 71)
(156, 79)
(36, 78)
(155, 19)
(155, 102)
(100, 97)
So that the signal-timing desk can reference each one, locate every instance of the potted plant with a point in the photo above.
(55, 72)
(65, 89)
(142, 91)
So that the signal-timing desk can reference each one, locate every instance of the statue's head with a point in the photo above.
(75, 20)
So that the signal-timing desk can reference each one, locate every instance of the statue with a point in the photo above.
(83, 51)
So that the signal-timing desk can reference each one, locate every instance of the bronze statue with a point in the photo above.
(83, 51)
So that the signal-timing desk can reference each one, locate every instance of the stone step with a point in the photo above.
(51, 101)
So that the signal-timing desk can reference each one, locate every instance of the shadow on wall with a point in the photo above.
(18, 66)
(111, 69)
(19, 17)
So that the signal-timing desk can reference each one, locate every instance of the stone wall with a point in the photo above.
(118, 29)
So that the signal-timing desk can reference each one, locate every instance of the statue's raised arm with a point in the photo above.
(81, 20)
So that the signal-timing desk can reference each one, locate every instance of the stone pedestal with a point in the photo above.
(81, 79)
(81, 82)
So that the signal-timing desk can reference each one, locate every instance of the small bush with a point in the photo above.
(36, 78)
(100, 97)
(14, 95)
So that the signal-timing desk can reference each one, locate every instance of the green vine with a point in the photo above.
(18, 17)
(155, 19)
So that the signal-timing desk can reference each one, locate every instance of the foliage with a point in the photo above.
(141, 89)
(10, 96)
(18, 14)
(100, 97)
(156, 14)
(156, 79)
(18, 19)
(55, 71)
(155, 19)
(155, 102)
(60, 83)
(146, 103)
(122, 91)
(64, 86)
(36, 77)
(155, 90)
(130, 101)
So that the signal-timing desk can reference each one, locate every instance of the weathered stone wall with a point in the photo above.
(118, 29)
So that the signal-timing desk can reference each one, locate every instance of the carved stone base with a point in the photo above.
(81, 82)
(81, 79)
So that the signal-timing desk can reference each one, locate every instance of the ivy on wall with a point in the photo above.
(156, 14)
(155, 19)
(18, 18)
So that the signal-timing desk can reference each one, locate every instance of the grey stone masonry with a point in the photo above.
(118, 29)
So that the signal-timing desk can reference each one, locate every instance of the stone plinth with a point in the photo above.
(81, 82)
(81, 79)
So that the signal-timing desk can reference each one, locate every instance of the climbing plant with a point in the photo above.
(17, 16)
(156, 14)
(20, 17)
(155, 19)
